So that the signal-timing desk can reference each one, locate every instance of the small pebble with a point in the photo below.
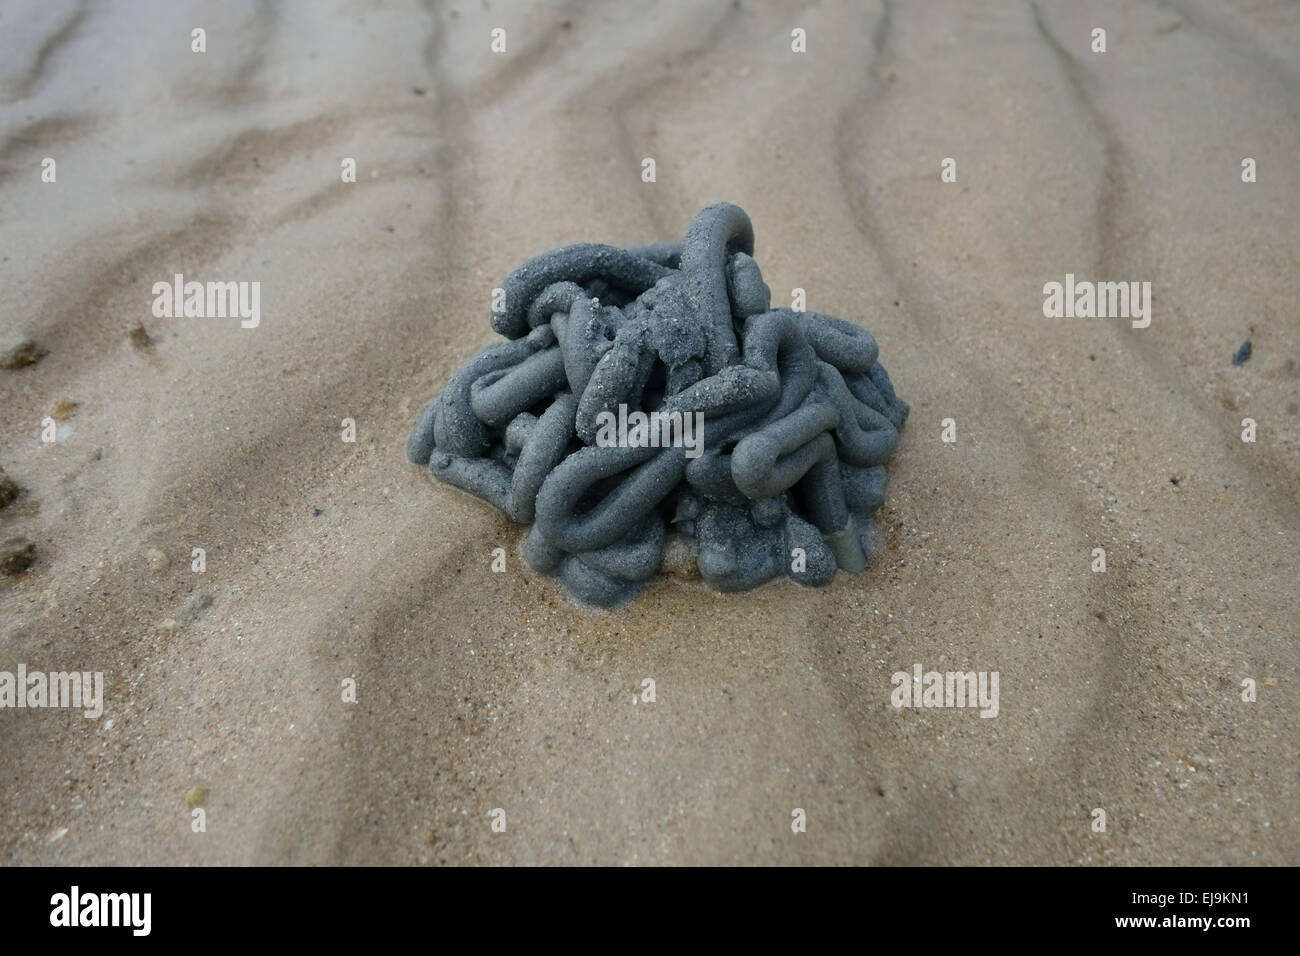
(195, 796)
(22, 354)
(8, 489)
(62, 409)
(17, 555)
(158, 560)
(139, 336)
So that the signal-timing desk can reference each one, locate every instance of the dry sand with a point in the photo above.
(479, 690)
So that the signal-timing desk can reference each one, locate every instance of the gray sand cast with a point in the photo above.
(796, 419)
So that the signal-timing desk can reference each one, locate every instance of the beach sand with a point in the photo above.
(328, 560)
